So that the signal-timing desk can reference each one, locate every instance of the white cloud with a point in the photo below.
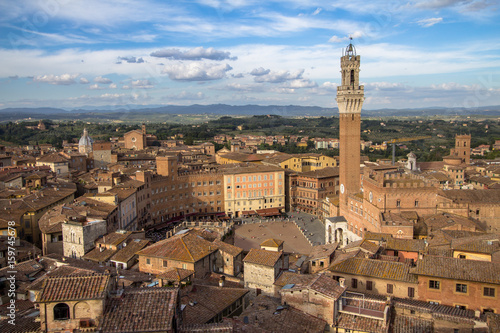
(197, 53)
(142, 84)
(64, 79)
(317, 11)
(426, 23)
(279, 76)
(196, 71)
(83, 80)
(259, 71)
(95, 87)
(103, 80)
(187, 95)
(112, 86)
(336, 39)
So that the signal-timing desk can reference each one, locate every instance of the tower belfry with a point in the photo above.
(350, 97)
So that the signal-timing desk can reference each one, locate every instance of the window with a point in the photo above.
(416, 203)
(390, 288)
(61, 311)
(354, 283)
(165, 263)
(148, 261)
(369, 285)
(398, 203)
(490, 292)
(411, 292)
(461, 307)
(462, 256)
(434, 284)
(461, 288)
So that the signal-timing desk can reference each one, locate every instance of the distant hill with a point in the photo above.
(140, 111)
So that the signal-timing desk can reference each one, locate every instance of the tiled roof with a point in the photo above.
(377, 236)
(227, 248)
(488, 243)
(434, 309)
(129, 251)
(262, 257)
(491, 196)
(27, 324)
(210, 301)
(99, 256)
(327, 286)
(287, 277)
(458, 269)
(74, 288)
(409, 245)
(185, 247)
(140, 310)
(369, 246)
(321, 173)
(446, 220)
(407, 324)
(361, 324)
(175, 274)
(271, 242)
(322, 251)
(375, 268)
(114, 238)
(52, 158)
(261, 317)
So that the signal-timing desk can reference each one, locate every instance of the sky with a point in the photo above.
(414, 54)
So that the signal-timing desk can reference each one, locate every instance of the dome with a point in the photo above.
(85, 143)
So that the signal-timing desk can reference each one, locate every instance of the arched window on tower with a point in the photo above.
(352, 76)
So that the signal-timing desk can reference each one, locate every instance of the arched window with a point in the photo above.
(61, 311)
(352, 76)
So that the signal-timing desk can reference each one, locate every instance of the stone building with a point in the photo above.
(184, 250)
(262, 268)
(57, 163)
(319, 298)
(102, 155)
(73, 302)
(79, 235)
(229, 258)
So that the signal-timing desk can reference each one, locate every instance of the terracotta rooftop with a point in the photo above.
(488, 243)
(52, 158)
(375, 268)
(408, 245)
(447, 220)
(458, 269)
(271, 242)
(141, 310)
(491, 196)
(263, 316)
(184, 247)
(175, 274)
(210, 301)
(129, 251)
(227, 248)
(361, 324)
(287, 277)
(322, 251)
(114, 238)
(407, 324)
(321, 173)
(74, 288)
(262, 257)
(99, 254)
(323, 284)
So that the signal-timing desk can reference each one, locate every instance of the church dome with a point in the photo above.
(85, 143)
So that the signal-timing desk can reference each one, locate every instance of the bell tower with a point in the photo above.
(350, 97)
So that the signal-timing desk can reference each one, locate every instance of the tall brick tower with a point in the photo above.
(462, 147)
(350, 97)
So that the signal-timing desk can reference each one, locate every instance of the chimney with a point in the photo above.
(342, 282)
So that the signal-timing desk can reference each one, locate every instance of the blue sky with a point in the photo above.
(420, 53)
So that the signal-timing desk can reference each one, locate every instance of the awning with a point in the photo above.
(269, 212)
(248, 212)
